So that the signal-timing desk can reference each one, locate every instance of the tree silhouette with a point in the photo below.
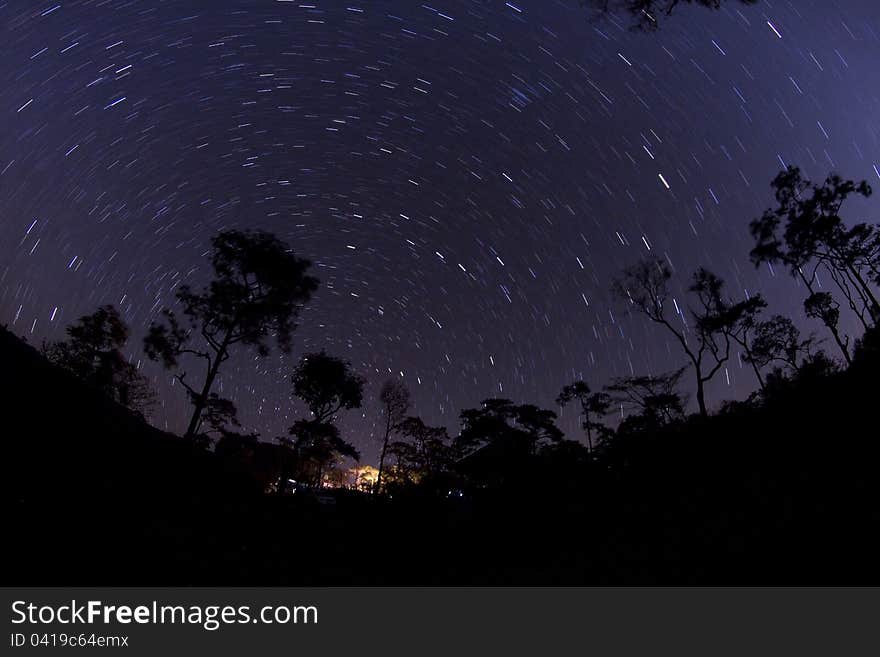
(806, 233)
(258, 290)
(93, 352)
(394, 397)
(317, 447)
(594, 406)
(822, 306)
(649, 404)
(327, 386)
(539, 424)
(500, 438)
(405, 469)
(423, 454)
(715, 322)
(647, 13)
(749, 328)
(501, 421)
(218, 417)
(655, 398)
(776, 340)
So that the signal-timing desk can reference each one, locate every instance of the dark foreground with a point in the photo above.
(782, 494)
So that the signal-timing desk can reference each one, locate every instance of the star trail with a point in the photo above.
(466, 176)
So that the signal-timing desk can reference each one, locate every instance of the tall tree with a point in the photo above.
(394, 397)
(594, 406)
(806, 233)
(93, 352)
(648, 404)
(822, 306)
(750, 325)
(327, 385)
(715, 322)
(258, 290)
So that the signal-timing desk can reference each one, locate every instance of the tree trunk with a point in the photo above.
(831, 327)
(759, 377)
(874, 306)
(757, 370)
(378, 487)
(201, 400)
(701, 397)
(840, 342)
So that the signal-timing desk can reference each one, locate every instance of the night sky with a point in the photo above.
(467, 176)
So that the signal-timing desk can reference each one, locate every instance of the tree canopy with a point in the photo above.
(257, 291)
(93, 352)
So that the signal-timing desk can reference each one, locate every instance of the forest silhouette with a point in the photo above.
(776, 488)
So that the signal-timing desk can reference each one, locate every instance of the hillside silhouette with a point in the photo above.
(781, 491)
(779, 488)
